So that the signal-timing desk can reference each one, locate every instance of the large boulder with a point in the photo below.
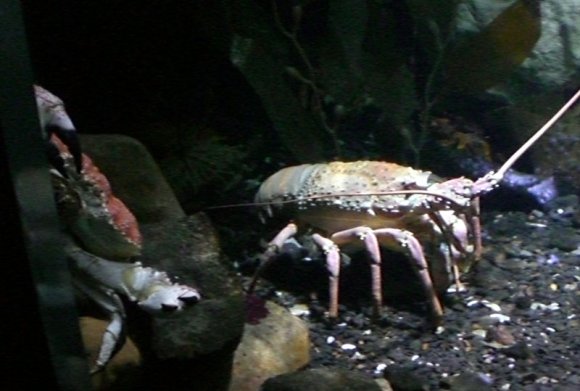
(195, 348)
(555, 60)
(134, 176)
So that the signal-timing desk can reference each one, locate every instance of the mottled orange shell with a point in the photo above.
(100, 220)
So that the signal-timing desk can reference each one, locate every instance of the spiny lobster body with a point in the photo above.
(345, 201)
(331, 196)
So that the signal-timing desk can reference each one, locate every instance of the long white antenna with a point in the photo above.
(510, 162)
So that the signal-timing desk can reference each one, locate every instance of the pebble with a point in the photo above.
(470, 381)
(519, 350)
(500, 334)
(348, 346)
(300, 310)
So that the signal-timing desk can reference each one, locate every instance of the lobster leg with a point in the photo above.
(273, 246)
(410, 245)
(371, 243)
(331, 252)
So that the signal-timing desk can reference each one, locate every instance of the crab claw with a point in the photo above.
(54, 120)
(169, 299)
(70, 138)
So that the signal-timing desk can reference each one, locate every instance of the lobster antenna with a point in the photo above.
(499, 174)
(445, 197)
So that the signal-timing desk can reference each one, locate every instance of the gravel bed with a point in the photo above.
(514, 327)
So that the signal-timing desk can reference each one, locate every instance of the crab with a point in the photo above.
(103, 240)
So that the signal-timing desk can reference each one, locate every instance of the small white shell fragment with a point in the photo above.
(480, 333)
(300, 310)
(380, 368)
(330, 340)
(367, 332)
(492, 306)
(415, 357)
(455, 289)
(358, 356)
(537, 225)
(501, 318)
(541, 306)
(348, 346)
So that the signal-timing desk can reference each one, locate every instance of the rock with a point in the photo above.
(500, 334)
(565, 239)
(123, 372)
(321, 380)
(277, 344)
(470, 381)
(194, 350)
(555, 60)
(405, 379)
(135, 177)
(519, 351)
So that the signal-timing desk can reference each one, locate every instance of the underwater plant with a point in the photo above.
(339, 77)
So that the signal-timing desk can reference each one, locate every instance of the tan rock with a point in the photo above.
(278, 344)
(123, 372)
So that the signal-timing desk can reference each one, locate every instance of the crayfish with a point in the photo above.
(385, 204)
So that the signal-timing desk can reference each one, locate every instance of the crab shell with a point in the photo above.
(90, 210)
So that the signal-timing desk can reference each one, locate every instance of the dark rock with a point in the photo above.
(520, 350)
(405, 379)
(470, 381)
(500, 334)
(565, 239)
(321, 380)
(523, 302)
(198, 344)
(195, 348)
(135, 177)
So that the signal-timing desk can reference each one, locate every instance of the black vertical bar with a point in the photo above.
(40, 336)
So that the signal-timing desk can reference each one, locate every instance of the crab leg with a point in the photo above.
(114, 335)
(103, 281)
